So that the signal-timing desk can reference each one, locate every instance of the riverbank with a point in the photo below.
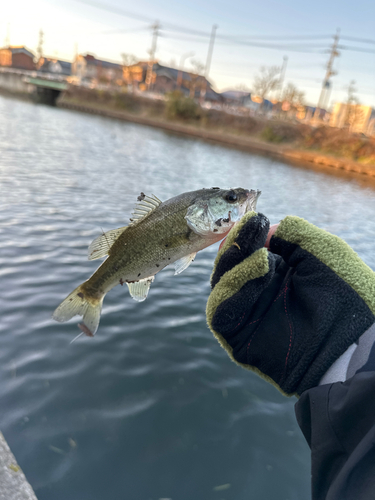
(286, 152)
(13, 483)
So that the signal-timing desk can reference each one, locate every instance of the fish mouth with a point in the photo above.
(252, 198)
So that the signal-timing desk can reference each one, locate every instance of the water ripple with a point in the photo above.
(153, 395)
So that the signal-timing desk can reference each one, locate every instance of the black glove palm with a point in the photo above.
(288, 314)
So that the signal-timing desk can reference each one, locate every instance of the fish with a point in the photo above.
(159, 234)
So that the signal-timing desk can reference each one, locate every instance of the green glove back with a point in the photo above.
(290, 312)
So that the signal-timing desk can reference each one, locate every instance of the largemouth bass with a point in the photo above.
(159, 234)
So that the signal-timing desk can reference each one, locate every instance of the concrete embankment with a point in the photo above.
(286, 153)
(13, 483)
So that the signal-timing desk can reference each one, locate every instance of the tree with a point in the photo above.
(354, 113)
(242, 87)
(198, 68)
(127, 61)
(266, 81)
(292, 95)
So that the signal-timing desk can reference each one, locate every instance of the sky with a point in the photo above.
(301, 31)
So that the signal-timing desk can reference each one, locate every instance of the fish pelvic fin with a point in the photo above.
(77, 303)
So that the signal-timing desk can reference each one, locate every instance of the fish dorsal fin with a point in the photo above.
(139, 289)
(146, 205)
(181, 264)
(102, 244)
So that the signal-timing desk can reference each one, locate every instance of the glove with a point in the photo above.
(289, 313)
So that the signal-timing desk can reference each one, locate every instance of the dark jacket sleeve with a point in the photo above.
(338, 422)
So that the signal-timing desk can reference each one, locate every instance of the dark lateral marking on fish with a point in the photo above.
(166, 246)
(216, 230)
(121, 282)
(226, 220)
(215, 188)
(141, 197)
(218, 222)
(169, 258)
(139, 275)
(80, 294)
(85, 330)
(157, 265)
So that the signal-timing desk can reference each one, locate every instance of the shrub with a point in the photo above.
(268, 134)
(179, 106)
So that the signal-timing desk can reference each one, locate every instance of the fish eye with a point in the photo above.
(231, 197)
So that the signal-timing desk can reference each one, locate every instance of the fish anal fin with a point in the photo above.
(101, 245)
(139, 289)
(146, 205)
(183, 263)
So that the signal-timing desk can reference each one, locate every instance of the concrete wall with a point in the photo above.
(13, 483)
(12, 81)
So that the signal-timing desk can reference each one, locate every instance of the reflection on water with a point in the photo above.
(151, 407)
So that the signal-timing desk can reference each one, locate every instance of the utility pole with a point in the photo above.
(282, 75)
(209, 57)
(155, 28)
(7, 38)
(330, 72)
(181, 70)
(39, 49)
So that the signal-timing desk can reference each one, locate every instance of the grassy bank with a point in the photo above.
(296, 142)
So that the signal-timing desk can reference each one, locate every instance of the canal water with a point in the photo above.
(151, 408)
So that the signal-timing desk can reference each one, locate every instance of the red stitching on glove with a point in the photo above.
(253, 335)
(290, 327)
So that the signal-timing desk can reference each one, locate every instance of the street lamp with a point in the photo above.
(180, 71)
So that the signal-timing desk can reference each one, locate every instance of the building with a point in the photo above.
(355, 117)
(165, 79)
(54, 66)
(236, 97)
(17, 57)
(88, 67)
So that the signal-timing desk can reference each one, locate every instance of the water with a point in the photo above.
(152, 407)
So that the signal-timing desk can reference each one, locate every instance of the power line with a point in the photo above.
(292, 48)
(360, 40)
(179, 29)
(276, 37)
(122, 31)
(356, 49)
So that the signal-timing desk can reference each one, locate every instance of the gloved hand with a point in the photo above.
(290, 312)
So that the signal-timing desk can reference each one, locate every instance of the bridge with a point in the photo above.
(41, 87)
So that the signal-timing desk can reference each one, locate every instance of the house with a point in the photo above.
(17, 57)
(356, 117)
(236, 97)
(54, 66)
(165, 79)
(88, 67)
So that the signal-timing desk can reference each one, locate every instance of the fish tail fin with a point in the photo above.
(77, 303)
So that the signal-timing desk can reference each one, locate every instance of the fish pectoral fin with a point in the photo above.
(139, 289)
(181, 264)
(146, 205)
(102, 244)
(199, 219)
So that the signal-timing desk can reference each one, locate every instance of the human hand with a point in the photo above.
(290, 312)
